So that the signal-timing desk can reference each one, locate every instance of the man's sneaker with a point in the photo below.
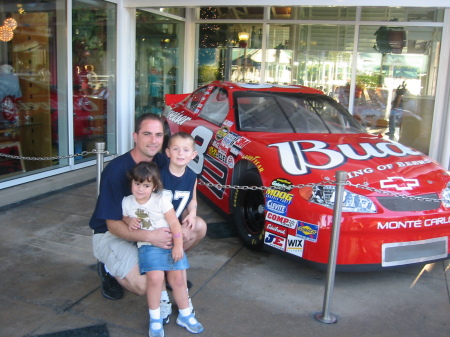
(152, 332)
(166, 310)
(111, 289)
(190, 323)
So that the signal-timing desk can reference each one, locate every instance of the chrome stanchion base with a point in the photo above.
(329, 319)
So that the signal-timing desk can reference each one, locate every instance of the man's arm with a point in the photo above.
(161, 237)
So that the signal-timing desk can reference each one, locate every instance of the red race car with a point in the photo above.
(286, 143)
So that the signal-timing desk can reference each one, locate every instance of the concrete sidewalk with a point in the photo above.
(49, 284)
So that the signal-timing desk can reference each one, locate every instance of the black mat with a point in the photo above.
(90, 331)
(221, 230)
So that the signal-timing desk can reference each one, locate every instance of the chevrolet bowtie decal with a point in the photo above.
(399, 183)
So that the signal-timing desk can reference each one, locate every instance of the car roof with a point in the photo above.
(266, 87)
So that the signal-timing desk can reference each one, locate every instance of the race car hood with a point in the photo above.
(369, 160)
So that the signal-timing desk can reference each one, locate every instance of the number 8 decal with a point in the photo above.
(204, 135)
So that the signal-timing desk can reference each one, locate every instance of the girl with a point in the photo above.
(148, 207)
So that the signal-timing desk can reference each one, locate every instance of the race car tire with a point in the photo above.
(248, 210)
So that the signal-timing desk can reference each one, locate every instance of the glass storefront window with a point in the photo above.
(158, 60)
(32, 86)
(340, 13)
(406, 14)
(181, 12)
(317, 56)
(234, 13)
(396, 82)
(94, 41)
(230, 52)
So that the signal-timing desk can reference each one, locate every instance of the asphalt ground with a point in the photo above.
(49, 285)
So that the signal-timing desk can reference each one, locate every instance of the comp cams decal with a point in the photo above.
(281, 220)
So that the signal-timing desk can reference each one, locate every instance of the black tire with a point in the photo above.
(248, 210)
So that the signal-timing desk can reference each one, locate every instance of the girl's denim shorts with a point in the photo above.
(155, 258)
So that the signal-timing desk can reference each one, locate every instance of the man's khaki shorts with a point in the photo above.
(118, 255)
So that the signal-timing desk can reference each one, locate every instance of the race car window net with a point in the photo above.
(292, 113)
(216, 107)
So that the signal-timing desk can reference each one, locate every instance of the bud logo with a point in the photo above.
(295, 245)
(276, 207)
(274, 241)
(281, 220)
(299, 157)
(307, 231)
(276, 229)
(399, 183)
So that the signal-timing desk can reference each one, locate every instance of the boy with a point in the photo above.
(180, 185)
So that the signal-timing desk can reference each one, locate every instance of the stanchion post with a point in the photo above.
(99, 149)
(325, 316)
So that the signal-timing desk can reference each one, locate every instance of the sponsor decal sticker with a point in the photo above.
(281, 220)
(254, 160)
(279, 196)
(222, 132)
(177, 117)
(419, 223)
(399, 183)
(241, 142)
(230, 162)
(228, 123)
(300, 157)
(274, 241)
(307, 231)
(295, 245)
(221, 155)
(281, 183)
(276, 207)
(276, 229)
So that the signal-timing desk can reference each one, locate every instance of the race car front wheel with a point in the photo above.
(248, 210)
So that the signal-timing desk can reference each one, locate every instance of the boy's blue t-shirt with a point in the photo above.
(114, 186)
(180, 189)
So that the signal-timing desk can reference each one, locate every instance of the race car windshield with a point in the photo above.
(293, 113)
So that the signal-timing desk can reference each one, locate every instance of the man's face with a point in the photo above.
(149, 139)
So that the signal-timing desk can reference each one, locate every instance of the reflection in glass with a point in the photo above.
(30, 91)
(397, 86)
(317, 56)
(313, 13)
(229, 52)
(158, 61)
(409, 14)
(234, 13)
(93, 55)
